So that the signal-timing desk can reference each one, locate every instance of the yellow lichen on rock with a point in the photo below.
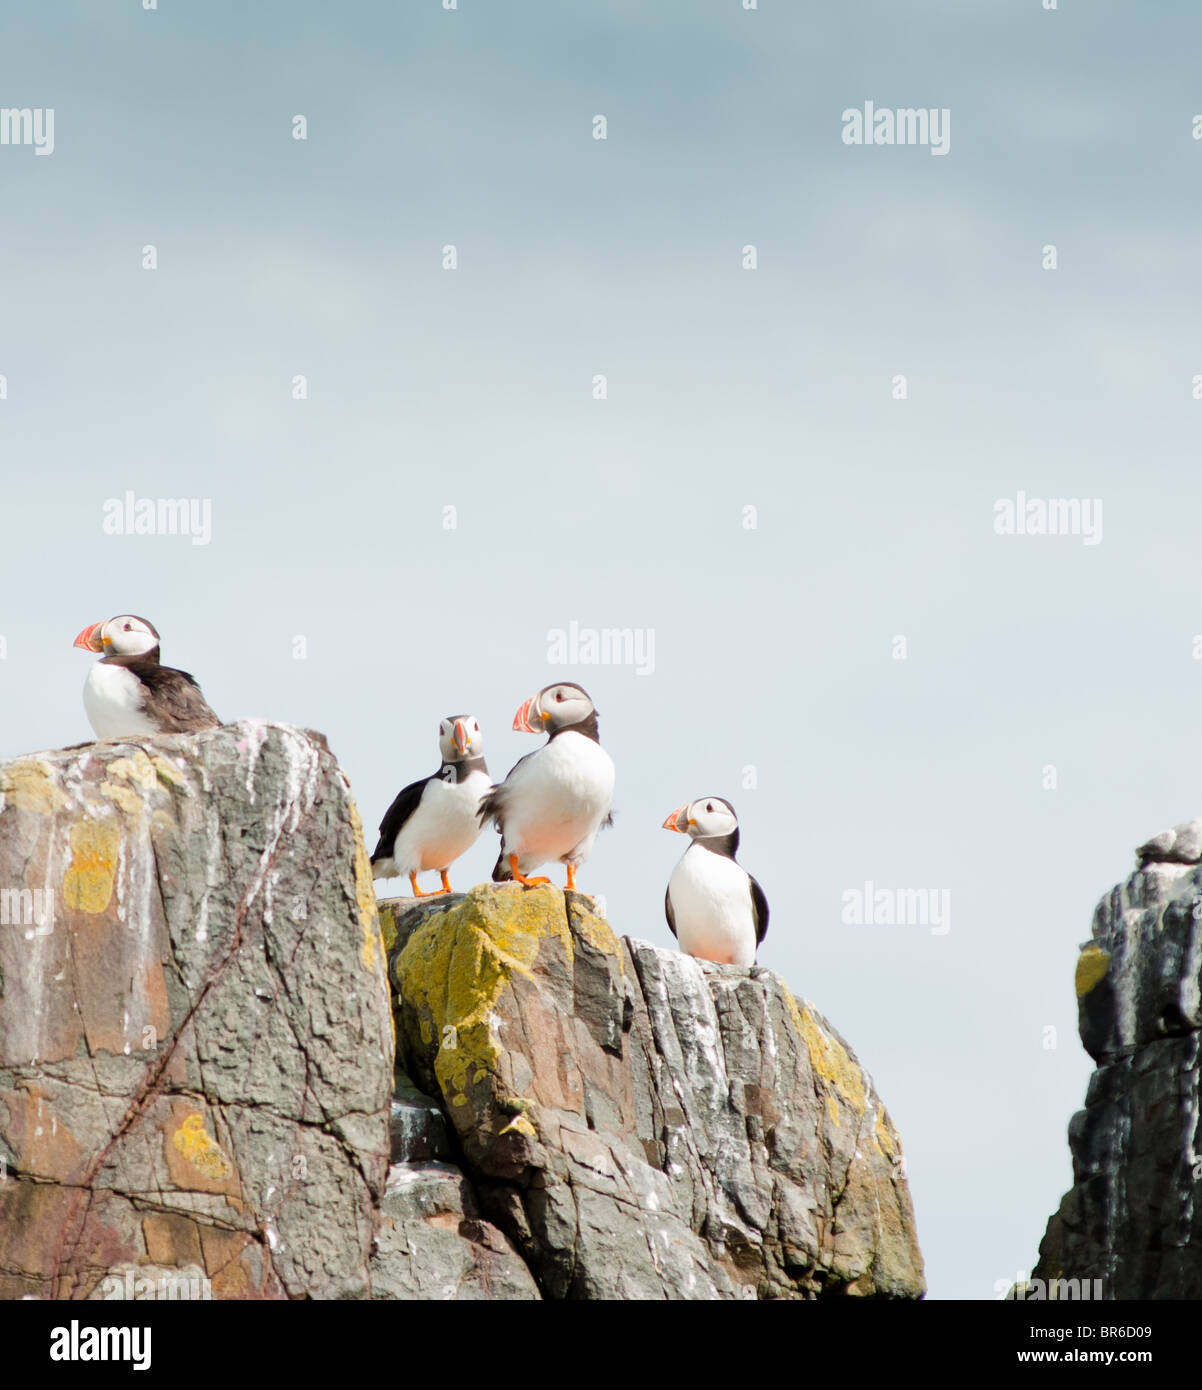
(124, 797)
(597, 932)
(137, 769)
(388, 932)
(200, 1148)
(144, 773)
(29, 785)
(830, 1060)
(1092, 965)
(88, 882)
(456, 964)
(372, 953)
(167, 772)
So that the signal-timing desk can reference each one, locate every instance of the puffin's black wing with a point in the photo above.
(759, 910)
(407, 801)
(174, 701)
(668, 913)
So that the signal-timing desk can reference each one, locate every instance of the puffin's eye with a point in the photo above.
(709, 805)
(559, 694)
(128, 628)
(475, 727)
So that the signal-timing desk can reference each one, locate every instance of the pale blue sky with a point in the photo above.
(726, 388)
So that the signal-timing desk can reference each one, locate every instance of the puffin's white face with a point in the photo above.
(554, 707)
(702, 819)
(128, 636)
(459, 738)
(125, 635)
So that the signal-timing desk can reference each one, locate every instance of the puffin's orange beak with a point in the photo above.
(521, 720)
(673, 821)
(461, 738)
(89, 638)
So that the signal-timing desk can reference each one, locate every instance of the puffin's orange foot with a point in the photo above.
(521, 877)
(438, 892)
(446, 882)
(571, 888)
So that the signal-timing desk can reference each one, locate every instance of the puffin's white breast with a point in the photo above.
(711, 901)
(112, 699)
(558, 798)
(444, 825)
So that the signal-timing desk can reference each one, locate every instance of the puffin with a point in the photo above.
(128, 693)
(433, 821)
(554, 800)
(715, 909)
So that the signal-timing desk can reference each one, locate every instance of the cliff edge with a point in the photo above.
(1132, 1222)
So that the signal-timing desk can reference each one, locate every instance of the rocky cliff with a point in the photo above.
(639, 1124)
(1133, 1219)
(195, 1038)
(197, 1087)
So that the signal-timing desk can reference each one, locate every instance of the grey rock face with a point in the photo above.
(433, 1243)
(641, 1124)
(417, 1127)
(1133, 1219)
(195, 1044)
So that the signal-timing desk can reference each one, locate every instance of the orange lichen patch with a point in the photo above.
(88, 882)
(201, 1150)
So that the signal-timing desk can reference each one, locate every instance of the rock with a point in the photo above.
(195, 1037)
(418, 1128)
(1132, 1220)
(401, 917)
(432, 1242)
(640, 1124)
(1181, 845)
